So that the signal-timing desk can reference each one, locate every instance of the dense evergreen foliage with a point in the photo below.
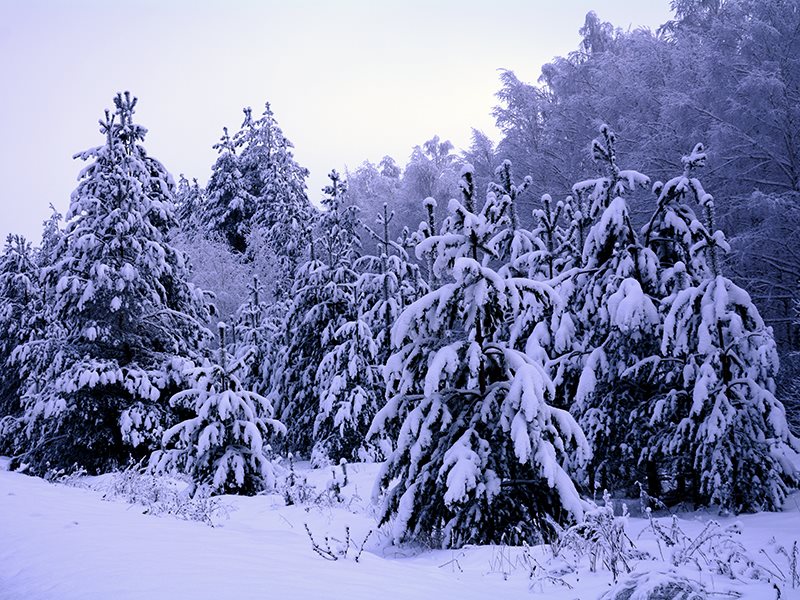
(509, 346)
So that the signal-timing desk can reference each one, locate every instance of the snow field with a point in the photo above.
(65, 542)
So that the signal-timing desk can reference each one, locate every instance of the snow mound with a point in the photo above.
(656, 585)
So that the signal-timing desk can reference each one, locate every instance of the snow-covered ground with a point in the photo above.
(62, 542)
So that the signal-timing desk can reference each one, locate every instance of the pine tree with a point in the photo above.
(615, 311)
(512, 241)
(349, 386)
(426, 229)
(479, 454)
(723, 416)
(350, 374)
(121, 315)
(552, 256)
(223, 442)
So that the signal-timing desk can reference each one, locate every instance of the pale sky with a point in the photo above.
(348, 80)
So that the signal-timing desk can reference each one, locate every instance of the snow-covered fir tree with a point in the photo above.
(296, 355)
(278, 183)
(388, 281)
(229, 203)
(253, 335)
(223, 444)
(21, 321)
(189, 205)
(614, 308)
(121, 315)
(722, 426)
(349, 383)
(552, 255)
(427, 228)
(512, 241)
(479, 454)
(350, 375)
(322, 300)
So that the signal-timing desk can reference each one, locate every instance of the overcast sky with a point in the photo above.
(348, 80)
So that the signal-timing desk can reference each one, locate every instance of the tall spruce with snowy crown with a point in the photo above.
(189, 205)
(388, 282)
(479, 453)
(512, 241)
(722, 426)
(297, 354)
(350, 376)
(322, 300)
(229, 205)
(346, 397)
(223, 444)
(273, 177)
(615, 311)
(349, 386)
(122, 316)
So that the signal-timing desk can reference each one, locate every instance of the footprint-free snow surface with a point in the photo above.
(67, 542)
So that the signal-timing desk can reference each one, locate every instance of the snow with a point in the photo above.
(65, 542)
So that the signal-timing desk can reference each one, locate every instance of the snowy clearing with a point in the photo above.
(64, 541)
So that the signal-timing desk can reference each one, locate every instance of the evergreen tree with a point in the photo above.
(388, 282)
(350, 374)
(297, 354)
(253, 335)
(21, 312)
(479, 454)
(121, 315)
(230, 204)
(614, 303)
(723, 427)
(323, 299)
(277, 182)
(223, 442)
(512, 240)
(349, 383)
(427, 228)
(189, 205)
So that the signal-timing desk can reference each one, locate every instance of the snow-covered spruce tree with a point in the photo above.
(223, 442)
(122, 317)
(554, 253)
(278, 183)
(388, 282)
(350, 388)
(189, 206)
(512, 241)
(340, 246)
(614, 308)
(426, 229)
(674, 228)
(725, 429)
(322, 300)
(296, 354)
(351, 373)
(252, 336)
(229, 204)
(479, 454)
(21, 314)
